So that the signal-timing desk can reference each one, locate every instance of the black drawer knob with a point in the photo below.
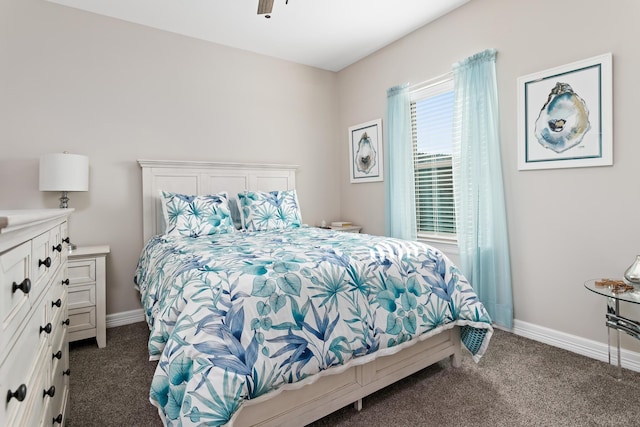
(47, 328)
(67, 372)
(25, 286)
(56, 303)
(57, 419)
(20, 394)
(66, 240)
(57, 355)
(65, 282)
(58, 247)
(51, 392)
(46, 262)
(65, 322)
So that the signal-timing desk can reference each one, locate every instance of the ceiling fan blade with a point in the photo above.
(264, 6)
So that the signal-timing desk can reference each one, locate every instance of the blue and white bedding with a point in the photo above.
(238, 315)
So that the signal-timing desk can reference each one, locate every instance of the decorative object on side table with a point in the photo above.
(87, 293)
(632, 275)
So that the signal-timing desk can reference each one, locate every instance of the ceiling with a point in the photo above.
(327, 34)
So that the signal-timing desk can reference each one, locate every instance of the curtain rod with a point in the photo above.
(430, 82)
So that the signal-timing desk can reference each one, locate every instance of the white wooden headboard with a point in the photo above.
(201, 178)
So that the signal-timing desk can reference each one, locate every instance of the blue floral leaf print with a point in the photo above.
(414, 286)
(235, 321)
(299, 313)
(395, 285)
(185, 198)
(332, 283)
(254, 270)
(290, 283)
(262, 383)
(409, 322)
(263, 287)
(180, 369)
(262, 308)
(285, 267)
(277, 301)
(338, 346)
(299, 348)
(174, 404)
(394, 325)
(222, 409)
(387, 300)
(408, 301)
(160, 390)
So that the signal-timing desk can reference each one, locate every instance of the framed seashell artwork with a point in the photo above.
(565, 116)
(365, 152)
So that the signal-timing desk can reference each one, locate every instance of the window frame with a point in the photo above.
(433, 88)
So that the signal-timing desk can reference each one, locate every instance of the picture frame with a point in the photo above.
(565, 116)
(366, 156)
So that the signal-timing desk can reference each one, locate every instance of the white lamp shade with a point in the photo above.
(64, 172)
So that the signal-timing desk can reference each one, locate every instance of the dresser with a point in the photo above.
(87, 293)
(34, 356)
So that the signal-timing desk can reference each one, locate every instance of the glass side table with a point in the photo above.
(613, 318)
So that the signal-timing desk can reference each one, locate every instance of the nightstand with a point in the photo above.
(87, 293)
(348, 228)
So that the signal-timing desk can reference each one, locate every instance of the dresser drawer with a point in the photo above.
(19, 370)
(60, 380)
(14, 305)
(42, 264)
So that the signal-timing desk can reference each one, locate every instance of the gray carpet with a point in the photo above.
(519, 382)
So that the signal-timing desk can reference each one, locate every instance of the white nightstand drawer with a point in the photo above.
(81, 319)
(81, 296)
(82, 271)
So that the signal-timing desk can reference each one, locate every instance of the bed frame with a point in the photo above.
(330, 392)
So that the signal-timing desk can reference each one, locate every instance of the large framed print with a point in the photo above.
(565, 116)
(365, 152)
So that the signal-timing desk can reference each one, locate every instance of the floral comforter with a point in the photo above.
(236, 316)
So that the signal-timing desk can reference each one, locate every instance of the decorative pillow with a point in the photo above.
(270, 211)
(194, 216)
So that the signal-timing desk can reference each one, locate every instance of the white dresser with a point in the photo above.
(34, 352)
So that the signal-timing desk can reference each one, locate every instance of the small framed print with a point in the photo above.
(565, 116)
(365, 152)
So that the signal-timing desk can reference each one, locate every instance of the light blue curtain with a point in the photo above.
(400, 206)
(477, 171)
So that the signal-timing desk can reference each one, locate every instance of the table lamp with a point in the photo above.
(64, 172)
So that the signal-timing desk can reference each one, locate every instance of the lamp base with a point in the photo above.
(64, 201)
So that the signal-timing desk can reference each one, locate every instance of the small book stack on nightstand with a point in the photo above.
(345, 226)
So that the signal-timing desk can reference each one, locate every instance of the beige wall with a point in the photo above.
(565, 225)
(118, 92)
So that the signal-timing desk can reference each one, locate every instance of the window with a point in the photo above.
(432, 131)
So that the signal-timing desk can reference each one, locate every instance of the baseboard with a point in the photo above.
(593, 349)
(125, 318)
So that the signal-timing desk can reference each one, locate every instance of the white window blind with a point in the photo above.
(432, 130)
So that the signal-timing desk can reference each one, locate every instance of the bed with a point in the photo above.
(284, 325)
